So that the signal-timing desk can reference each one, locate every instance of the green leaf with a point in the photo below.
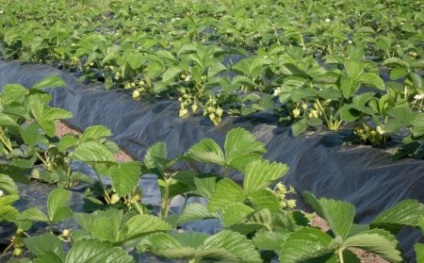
(265, 199)
(418, 125)
(49, 256)
(235, 213)
(103, 225)
(190, 239)
(30, 133)
(95, 133)
(53, 114)
(373, 80)
(269, 240)
(354, 69)
(33, 214)
(227, 193)
(156, 157)
(241, 147)
(377, 241)
(6, 120)
(8, 184)
(171, 73)
(398, 72)
(194, 212)
(215, 69)
(330, 77)
(206, 151)
(233, 243)
(56, 205)
(67, 141)
(125, 177)
(306, 243)
(338, 214)
(13, 93)
(142, 224)
(419, 251)
(50, 82)
(416, 80)
(94, 251)
(134, 59)
(205, 185)
(92, 151)
(407, 212)
(348, 86)
(165, 245)
(299, 127)
(8, 213)
(260, 173)
(43, 243)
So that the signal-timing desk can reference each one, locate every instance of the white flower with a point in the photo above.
(327, 20)
(277, 91)
(1, 12)
(419, 96)
(1, 193)
(350, 42)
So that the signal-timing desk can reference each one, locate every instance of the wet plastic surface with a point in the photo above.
(318, 162)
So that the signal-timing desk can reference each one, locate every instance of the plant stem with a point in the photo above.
(341, 259)
(43, 161)
(6, 141)
(138, 207)
(165, 201)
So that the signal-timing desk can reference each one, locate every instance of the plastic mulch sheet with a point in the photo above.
(319, 162)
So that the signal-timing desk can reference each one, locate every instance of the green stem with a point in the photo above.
(43, 160)
(138, 207)
(341, 259)
(6, 141)
(165, 201)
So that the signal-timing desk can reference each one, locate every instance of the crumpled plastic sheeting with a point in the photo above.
(318, 162)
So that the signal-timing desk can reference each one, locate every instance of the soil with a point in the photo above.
(122, 156)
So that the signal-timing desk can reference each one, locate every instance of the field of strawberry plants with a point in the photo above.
(345, 67)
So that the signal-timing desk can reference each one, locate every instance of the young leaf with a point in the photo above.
(241, 147)
(94, 251)
(227, 193)
(377, 241)
(265, 199)
(206, 151)
(338, 214)
(56, 205)
(306, 243)
(260, 173)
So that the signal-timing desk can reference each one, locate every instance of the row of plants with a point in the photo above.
(259, 218)
(240, 57)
